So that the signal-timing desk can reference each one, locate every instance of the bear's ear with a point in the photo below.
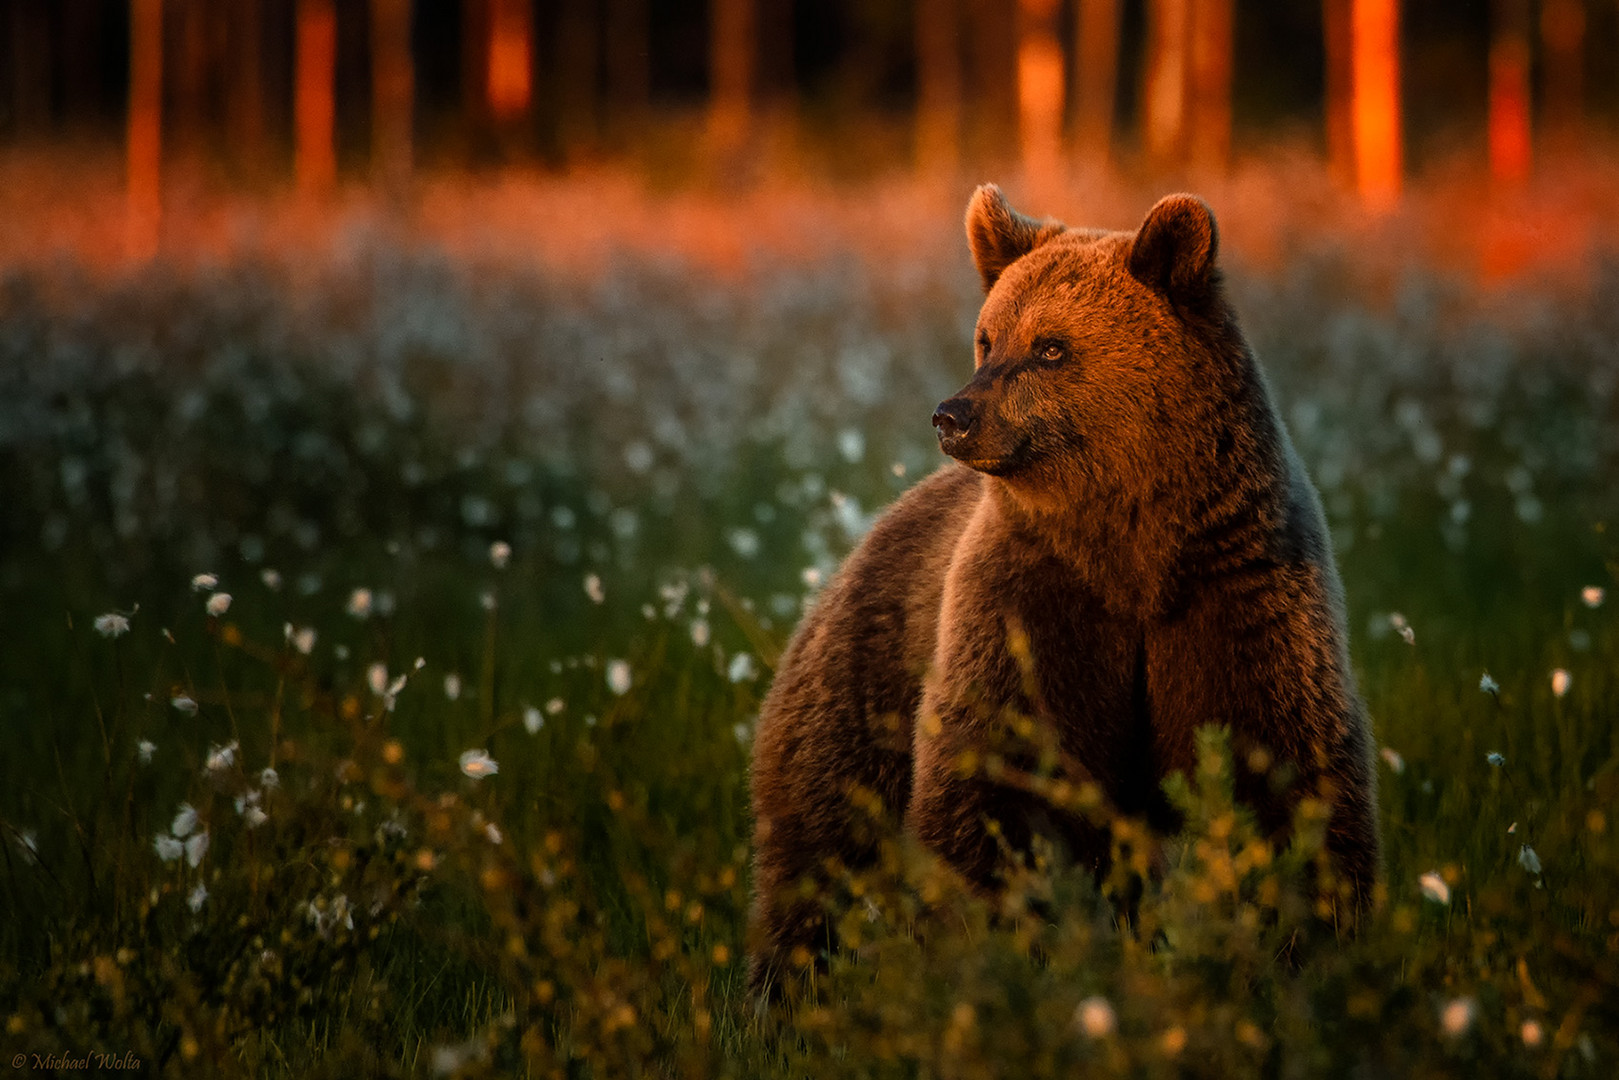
(998, 235)
(1175, 247)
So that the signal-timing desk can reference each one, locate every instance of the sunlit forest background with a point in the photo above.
(423, 423)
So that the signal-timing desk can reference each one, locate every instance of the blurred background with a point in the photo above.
(172, 105)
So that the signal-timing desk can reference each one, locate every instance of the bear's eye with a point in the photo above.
(1051, 351)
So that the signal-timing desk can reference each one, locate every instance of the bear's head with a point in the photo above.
(1099, 356)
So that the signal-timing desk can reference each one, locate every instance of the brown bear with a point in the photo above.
(1126, 548)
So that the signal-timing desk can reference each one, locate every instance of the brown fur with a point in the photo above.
(1130, 507)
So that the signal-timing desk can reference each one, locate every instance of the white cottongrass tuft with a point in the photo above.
(197, 897)
(271, 579)
(205, 583)
(218, 604)
(618, 676)
(112, 625)
(533, 719)
(488, 601)
(594, 588)
(301, 638)
(1488, 684)
(699, 633)
(500, 553)
(1561, 681)
(1532, 1033)
(1528, 859)
(221, 758)
(168, 848)
(452, 686)
(269, 778)
(1457, 1016)
(254, 816)
(184, 703)
(1391, 758)
(1095, 1017)
(360, 603)
(1403, 628)
(1593, 595)
(1495, 759)
(146, 748)
(376, 676)
(196, 848)
(1434, 888)
(742, 668)
(185, 821)
(478, 764)
(492, 831)
(555, 706)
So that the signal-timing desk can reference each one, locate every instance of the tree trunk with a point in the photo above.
(1096, 80)
(1375, 45)
(393, 94)
(1337, 30)
(30, 67)
(579, 68)
(1510, 137)
(315, 98)
(509, 64)
(1040, 93)
(993, 97)
(145, 136)
(1562, 38)
(732, 72)
(247, 127)
(1209, 86)
(629, 67)
(1164, 96)
(938, 87)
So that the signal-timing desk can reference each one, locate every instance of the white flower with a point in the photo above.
(197, 897)
(303, 639)
(1528, 859)
(184, 821)
(218, 603)
(533, 719)
(205, 583)
(1593, 595)
(111, 624)
(618, 676)
(255, 817)
(197, 847)
(184, 703)
(145, 748)
(500, 553)
(270, 778)
(1434, 888)
(1095, 1017)
(221, 758)
(271, 579)
(1495, 759)
(1392, 758)
(742, 668)
(359, 604)
(1457, 1016)
(1560, 681)
(376, 677)
(168, 848)
(1531, 1032)
(452, 686)
(699, 633)
(594, 588)
(492, 831)
(1487, 684)
(478, 764)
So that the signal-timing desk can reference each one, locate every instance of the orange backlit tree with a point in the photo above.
(145, 136)
(1095, 81)
(314, 110)
(629, 72)
(732, 60)
(991, 97)
(1040, 91)
(247, 134)
(509, 70)
(578, 105)
(938, 87)
(1163, 110)
(1509, 135)
(1208, 85)
(1562, 38)
(393, 88)
(1339, 77)
(1375, 116)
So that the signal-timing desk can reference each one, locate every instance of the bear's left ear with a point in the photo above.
(999, 236)
(1175, 247)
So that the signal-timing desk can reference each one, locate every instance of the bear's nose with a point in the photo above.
(954, 417)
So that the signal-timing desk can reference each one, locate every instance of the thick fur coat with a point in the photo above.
(1126, 548)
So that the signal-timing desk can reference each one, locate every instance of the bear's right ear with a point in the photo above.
(1175, 247)
(999, 236)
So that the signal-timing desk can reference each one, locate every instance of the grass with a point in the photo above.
(675, 462)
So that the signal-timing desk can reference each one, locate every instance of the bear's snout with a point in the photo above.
(953, 419)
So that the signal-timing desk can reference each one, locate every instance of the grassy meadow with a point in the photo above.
(446, 499)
